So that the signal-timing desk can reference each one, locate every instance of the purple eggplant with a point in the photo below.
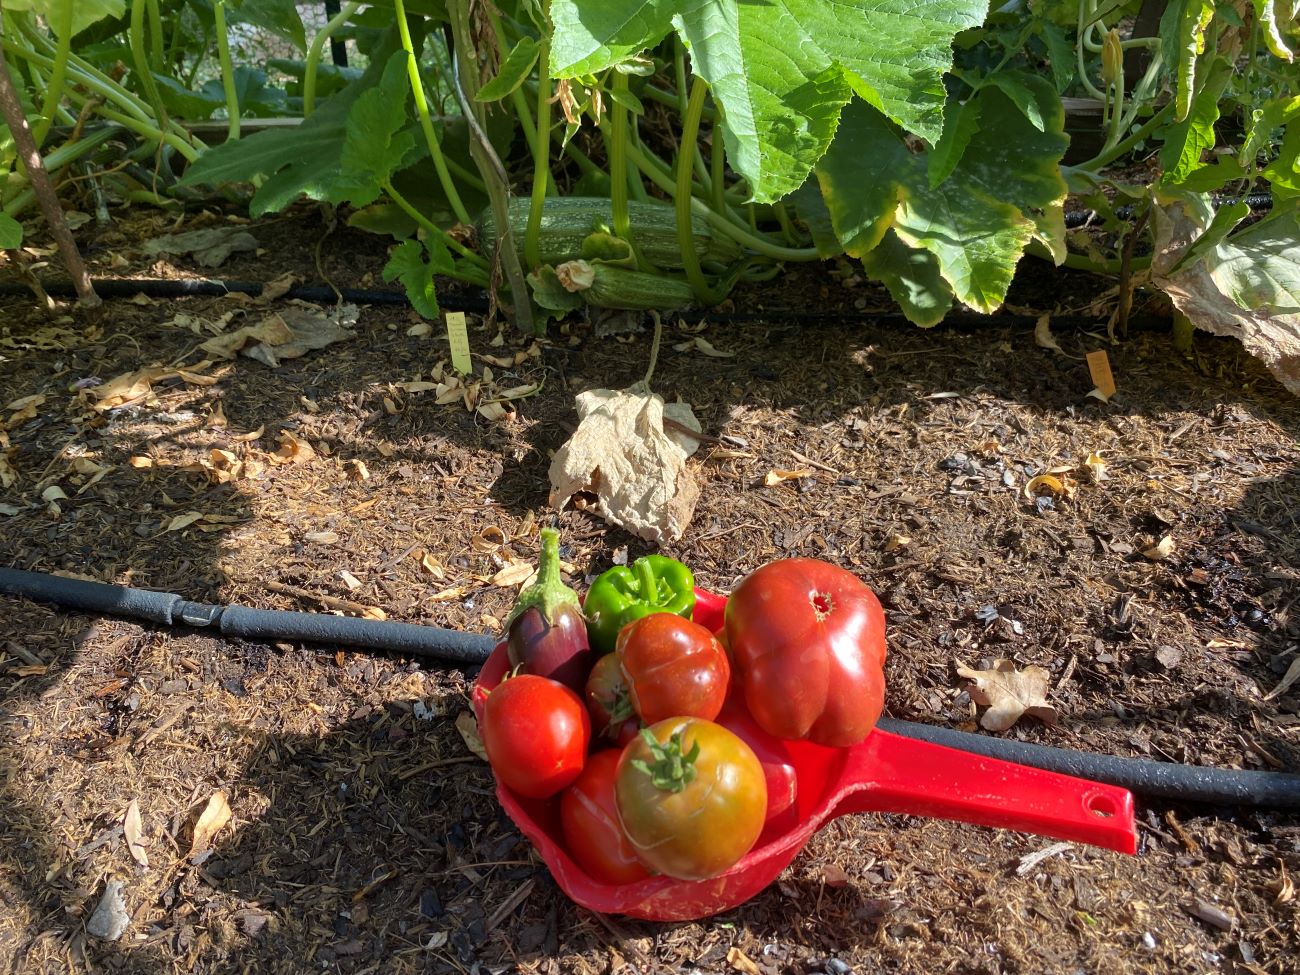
(546, 633)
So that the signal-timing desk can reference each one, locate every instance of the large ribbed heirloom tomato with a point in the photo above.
(807, 642)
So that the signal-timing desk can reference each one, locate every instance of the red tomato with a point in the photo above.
(612, 718)
(673, 668)
(536, 733)
(807, 640)
(778, 766)
(592, 833)
(693, 802)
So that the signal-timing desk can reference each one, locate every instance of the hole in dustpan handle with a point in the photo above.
(890, 773)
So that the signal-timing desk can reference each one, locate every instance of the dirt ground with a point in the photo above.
(364, 837)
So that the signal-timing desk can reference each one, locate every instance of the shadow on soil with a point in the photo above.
(319, 860)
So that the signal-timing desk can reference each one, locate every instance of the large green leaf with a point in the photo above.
(1187, 141)
(407, 264)
(1005, 190)
(375, 145)
(913, 277)
(301, 161)
(782, 70)
(84, 12)
(280, 17)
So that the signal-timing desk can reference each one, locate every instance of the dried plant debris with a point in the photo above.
(1009, 694)
(622, 453)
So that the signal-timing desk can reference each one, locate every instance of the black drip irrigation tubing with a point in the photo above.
(475, 301)
(1165, 780)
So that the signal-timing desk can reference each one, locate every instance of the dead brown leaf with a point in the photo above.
(1160, 550)
(741, 962)
(216, 814)
(468, 729)
(622, 453)
(292, 450)
(133, 832)
(1009, 693)
(777, 476)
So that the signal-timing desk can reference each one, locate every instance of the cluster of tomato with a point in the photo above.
(668, 756)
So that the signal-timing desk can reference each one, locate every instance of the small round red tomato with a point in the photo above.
(673, 668)
(691, 797)
(535, 731)
(592, 833)
(807, 640)
(612, 718)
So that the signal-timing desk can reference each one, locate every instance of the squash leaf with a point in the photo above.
(783, 70)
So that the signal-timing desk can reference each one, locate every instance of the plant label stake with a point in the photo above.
(458, 339)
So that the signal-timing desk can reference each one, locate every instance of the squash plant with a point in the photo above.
(639, 153)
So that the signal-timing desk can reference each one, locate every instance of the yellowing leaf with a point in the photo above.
(216, 814)
(1009, 693)
(776, 476)
(133, 833)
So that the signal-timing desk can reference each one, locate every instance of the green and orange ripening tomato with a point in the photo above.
(807, 642)
(691, 796)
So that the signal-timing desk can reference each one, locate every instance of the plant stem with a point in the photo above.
(433, 230)
(1124, 145)
(426, 120)
(30, 156)
(717, 165)
(618, 162)
(314, 51)
(465, 75)
(156, 55)
(541, 144)
(227, 69)
(685, 159)
(517, 99)
(67, 153)
(61, 21)
(141, 59)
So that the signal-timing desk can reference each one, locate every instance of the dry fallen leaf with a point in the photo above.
(1161, 549)
(432, 566)
(357, 470)
(741, 962)
(703, 345)
(1009, 693)
(513, 574)
(1292, 675)
(776, 476)
(292, 450)
(322, 538)
(894, 542)
(183, 521)
(622, 453)
(133, 832)
(468, 729)
(1096, 467)
(1043, 334)
(215, 815)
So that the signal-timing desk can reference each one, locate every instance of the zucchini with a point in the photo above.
(568, 221)
(620, 287)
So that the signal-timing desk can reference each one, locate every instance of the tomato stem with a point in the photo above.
(670, 770)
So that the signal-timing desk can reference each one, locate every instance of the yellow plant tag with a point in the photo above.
(458, 337)
(1099, 367)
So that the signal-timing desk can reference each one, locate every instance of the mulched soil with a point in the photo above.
(366, 838)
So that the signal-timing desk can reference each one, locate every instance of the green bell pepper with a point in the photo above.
(651, 584)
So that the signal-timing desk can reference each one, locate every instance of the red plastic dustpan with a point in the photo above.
(885, 773)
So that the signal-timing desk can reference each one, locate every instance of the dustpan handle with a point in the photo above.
(893, 774)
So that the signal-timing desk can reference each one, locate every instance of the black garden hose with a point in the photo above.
(475, 301)
(1167, 780)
